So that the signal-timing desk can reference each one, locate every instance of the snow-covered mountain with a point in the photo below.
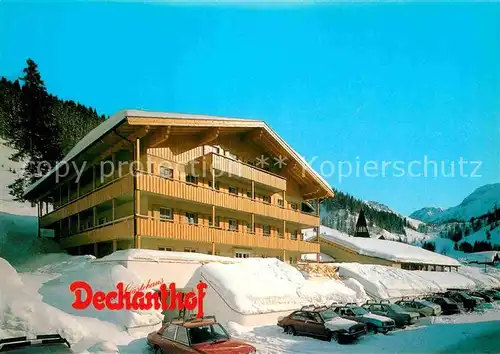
(426, 214)
(380, 207)
(479, 202)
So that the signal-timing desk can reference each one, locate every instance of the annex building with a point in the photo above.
(179, 182)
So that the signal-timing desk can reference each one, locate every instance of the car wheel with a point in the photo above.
(290, 330)
(157, 350)
(334, 336)
(371, 328)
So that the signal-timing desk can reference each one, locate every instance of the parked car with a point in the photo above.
(422, 307)
(482, 295)
(479, 300)
(54, 341)
(323, 323)
(493, 293)
(448, 306)
(397, 313)
(462, 297)
(203, 335)
(375, 323)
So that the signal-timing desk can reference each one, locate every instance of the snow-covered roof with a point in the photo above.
(385, 249)
(118, 118)
(162, 256)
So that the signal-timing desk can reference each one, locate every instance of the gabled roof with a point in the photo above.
(163, 118)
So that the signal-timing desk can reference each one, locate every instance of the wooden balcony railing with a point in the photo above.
(200, 194)
(119, 229)
(233, 168)
(100, 195)
(152, 227)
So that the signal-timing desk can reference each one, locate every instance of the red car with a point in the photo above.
(202, 335)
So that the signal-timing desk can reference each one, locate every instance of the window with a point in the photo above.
(266, 229)
(242, 254)
(169, 249)
(249, 194)
(166, 172)
(294, 206)
(166, 213)
(191, 218)
(279, 231)
(217, 187)
(233, 190)
(233, 224)
(102, 220)
(170, 331)
(266, 199)
(187, 249)
(182, 336)
(294, 235)
(291, 260)
(232, 156)
(217, 221)
(280, 203)
(191, 179)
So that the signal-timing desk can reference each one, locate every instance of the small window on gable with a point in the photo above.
(266, 199)
(280, 202)
(294, 206)
(166, 172)
(170, 249)
(232, 156)
(166, 213)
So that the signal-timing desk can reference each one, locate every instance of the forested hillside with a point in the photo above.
(341, 211)
(38, 125)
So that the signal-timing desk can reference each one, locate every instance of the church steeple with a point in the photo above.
(361, 226)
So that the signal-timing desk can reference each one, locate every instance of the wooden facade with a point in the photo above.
(183, 184)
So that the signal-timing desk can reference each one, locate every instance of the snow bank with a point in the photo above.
(256, 286)
(488, 277)
(357, 287)
(24, 313)
(448, 280)
(387, 282)
(390, 250)
(102, 277)
(390, 283)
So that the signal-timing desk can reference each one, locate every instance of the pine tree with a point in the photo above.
(37, 136)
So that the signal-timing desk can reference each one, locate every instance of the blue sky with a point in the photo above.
(339, 82)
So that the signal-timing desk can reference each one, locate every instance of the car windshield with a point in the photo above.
(358, 311)
(425, 303)
(208, 333)
(328, 315)
(396, 308)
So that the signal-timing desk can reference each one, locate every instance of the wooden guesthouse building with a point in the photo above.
(192, 183)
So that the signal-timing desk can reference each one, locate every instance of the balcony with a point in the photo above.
(200, 194)
(118, 229)
(151, 227)
(238, 169)
(88, 200)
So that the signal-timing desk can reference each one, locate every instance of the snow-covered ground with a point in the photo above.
(467, 333)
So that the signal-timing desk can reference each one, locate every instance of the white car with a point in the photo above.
(374, 322)
(423, 307)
